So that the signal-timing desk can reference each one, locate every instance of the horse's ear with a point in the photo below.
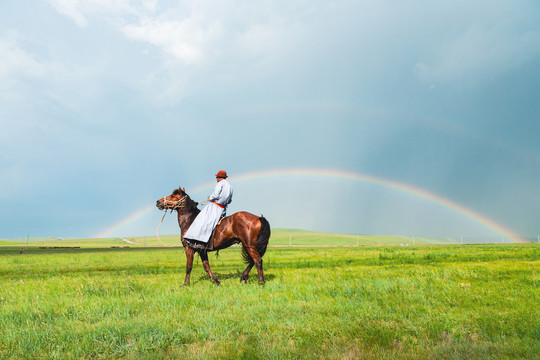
(184, 189)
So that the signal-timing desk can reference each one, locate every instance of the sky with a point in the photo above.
(350, 110)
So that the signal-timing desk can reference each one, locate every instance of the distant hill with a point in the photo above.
(280, 236)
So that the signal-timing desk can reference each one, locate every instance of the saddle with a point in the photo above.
(205, 247)
(199, 246)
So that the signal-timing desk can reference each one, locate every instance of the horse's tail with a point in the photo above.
(263, 237)
(262, 241)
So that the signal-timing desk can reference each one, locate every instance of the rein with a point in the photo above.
(174, 205)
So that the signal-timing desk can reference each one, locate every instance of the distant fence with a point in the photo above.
(294, 239)
(278, 238)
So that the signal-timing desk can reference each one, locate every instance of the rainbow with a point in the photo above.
(340, 174)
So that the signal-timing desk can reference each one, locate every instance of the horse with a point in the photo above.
(252, 231)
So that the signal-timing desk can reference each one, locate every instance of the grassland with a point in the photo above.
(373, 302)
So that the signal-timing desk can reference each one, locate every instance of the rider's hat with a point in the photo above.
(222, 174)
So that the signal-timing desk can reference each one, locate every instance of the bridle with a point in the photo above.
(172, 205)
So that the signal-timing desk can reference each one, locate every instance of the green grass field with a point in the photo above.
(344, 302)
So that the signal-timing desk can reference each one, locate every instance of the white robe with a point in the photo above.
(206, 221)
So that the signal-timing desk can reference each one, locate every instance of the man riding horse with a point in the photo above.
(199, 226)
(200, 231)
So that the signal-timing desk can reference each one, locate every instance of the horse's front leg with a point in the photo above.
(189, 264)
(206, 264)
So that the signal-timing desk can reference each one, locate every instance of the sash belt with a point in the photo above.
(221, 206)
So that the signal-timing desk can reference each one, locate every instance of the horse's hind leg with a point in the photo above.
(206, 264)
(257, 259)
(245, 274)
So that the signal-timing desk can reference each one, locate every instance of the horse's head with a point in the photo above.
(174, 201)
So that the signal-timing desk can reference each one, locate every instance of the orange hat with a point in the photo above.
(222, 174)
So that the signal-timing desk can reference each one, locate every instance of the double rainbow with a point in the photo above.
(339, 174)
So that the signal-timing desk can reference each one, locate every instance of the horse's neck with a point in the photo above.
(186, 218)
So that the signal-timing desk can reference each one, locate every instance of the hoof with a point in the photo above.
(216, 281)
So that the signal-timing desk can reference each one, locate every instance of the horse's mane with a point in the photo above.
(190, 204)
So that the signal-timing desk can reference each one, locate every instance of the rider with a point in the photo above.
(203, 225)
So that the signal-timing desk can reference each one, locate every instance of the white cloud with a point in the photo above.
(81, 10)
(190, 31)
(14, 61)
(20, 69)
(70, 9)
(186, 40)
(16, 67)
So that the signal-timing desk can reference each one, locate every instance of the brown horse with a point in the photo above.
(241, 227)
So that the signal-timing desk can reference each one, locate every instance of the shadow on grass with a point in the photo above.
(234, 275)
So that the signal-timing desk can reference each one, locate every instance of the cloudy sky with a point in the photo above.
(107, 105)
